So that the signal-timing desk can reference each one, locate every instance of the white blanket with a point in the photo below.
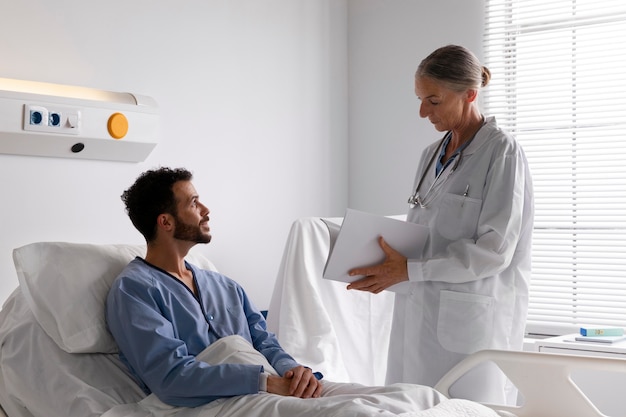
(338, 399)
(343, 334)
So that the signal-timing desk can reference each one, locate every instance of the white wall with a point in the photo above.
(254, 98)
(388, 39)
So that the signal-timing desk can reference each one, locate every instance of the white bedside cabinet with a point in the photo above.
(606, 389)
(567, 345)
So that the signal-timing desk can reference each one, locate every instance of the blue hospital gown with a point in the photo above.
(160, 327)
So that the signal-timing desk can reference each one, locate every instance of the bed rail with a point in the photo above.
(543, 379)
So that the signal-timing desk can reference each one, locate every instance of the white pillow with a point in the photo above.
(66, 285)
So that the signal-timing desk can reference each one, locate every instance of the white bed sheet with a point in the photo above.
(343, 334)
(338, 399)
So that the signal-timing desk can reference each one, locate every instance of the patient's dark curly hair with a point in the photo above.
(151, 195)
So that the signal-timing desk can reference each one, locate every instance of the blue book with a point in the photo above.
(601, 331)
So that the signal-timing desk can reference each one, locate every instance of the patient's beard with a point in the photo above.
(190, 233)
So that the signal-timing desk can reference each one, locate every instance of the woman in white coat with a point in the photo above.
(473, 189)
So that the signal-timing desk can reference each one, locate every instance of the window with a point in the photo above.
(559, 85)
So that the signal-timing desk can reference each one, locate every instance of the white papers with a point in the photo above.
(355, 243)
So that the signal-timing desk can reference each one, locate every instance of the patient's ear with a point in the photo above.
(165, 221)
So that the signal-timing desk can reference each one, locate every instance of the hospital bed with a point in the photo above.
(347, 330)
(58, 359)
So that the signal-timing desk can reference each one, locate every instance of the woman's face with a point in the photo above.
(444, 108)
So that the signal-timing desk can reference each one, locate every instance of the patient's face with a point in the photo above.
(192, 219)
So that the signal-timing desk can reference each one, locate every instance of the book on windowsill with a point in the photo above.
(601, 331)
(600, 339)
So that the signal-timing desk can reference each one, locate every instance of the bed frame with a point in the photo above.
(544, 380)
(331, 314)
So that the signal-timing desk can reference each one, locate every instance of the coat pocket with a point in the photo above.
(465, 323)
(458, 216)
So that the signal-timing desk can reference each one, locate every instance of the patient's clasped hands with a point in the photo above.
(297, 382)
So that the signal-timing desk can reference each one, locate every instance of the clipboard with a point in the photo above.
(354, 243)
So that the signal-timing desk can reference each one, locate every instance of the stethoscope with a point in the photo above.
(415, 200)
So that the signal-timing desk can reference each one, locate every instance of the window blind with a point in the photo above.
(559, 85)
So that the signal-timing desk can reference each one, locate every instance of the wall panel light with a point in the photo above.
(44, 119)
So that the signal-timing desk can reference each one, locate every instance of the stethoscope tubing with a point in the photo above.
(414, 199)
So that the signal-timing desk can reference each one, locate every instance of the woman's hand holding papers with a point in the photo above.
(382, 276)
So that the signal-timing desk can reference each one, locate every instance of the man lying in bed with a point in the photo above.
(165, 314)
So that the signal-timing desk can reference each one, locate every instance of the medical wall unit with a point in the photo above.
(54, 120)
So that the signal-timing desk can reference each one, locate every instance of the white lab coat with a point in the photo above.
(470, 290)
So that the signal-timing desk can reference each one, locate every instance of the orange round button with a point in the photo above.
(117, 125)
